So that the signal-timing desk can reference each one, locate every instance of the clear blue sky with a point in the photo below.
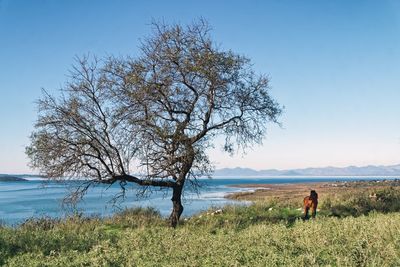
(335, 65)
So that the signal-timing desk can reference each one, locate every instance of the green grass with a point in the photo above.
(263, 234)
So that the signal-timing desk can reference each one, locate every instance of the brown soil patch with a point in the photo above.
(294, 193)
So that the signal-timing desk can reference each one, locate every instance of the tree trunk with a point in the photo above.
(177, 207)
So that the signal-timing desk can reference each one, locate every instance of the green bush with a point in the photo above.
(382, 200)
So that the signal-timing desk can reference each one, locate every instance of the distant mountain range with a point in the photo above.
(19, 177)
(393, 170)
(10, 178)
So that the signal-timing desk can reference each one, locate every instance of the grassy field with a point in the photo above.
(353, 231)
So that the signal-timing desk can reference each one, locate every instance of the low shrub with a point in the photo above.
(137, 217)
(381, 200)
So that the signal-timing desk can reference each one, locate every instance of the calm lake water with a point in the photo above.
(26, 199)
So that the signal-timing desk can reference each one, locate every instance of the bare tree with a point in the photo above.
(149, 120)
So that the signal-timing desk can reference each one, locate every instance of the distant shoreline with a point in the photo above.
(11, 178)
(304, 176)
(296, 191)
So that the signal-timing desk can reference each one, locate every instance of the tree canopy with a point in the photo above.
(150, 119)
